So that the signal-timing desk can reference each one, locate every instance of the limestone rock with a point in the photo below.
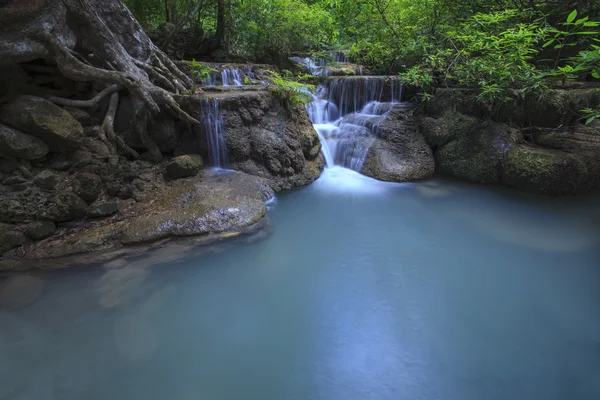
(47, 179)
(400, 153)
(183, 166)
(87, 186)
(12, 211)
(43, 119)
(102, 209)
(546, 171)
(14, 143)
(40, 229)
(9, 238)
(64, 206)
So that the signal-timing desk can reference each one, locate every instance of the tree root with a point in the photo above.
(86, 103)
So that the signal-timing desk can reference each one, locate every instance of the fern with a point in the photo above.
(289, 90)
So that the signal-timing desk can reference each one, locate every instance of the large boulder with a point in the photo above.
(14, 143)
(546, 171)
(183, 166)
(400, 153)
(9, 238)
(468, 148)
(45, 120)
(40, 229)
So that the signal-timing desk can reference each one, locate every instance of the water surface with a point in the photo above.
(362, 290)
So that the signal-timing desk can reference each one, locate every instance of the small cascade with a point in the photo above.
(346, 113)
(212, 124)
(231, 76)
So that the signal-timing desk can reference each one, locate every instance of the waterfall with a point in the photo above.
(231, 76)
(346, 113)
(212, 122)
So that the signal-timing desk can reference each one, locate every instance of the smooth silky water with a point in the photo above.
(362, 290)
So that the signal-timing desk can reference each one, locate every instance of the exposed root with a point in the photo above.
(86, 103)
(157, 76)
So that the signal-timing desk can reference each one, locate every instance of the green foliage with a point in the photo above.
(200, 71)
(291, 91)
(586, 61)
(491, 52)
(590, 115)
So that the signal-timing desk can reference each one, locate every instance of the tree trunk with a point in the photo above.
(92, 40)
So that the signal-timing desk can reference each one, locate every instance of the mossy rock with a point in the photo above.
(546, 171)
(40, 118)
(9, 239)
(183, 166)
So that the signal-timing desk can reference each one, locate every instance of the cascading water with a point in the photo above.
(346, 113)
(212, 122)
(231, 76)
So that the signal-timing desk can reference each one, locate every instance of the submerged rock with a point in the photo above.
(45, 120)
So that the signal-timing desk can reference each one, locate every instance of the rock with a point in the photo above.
(40, 229)
(16, 182)
(264, 137)
(209, 204)
(40, 118)
(8, 165)
(47, 179)
(102, 209)
(400, 153)
(9, 239)
(87, 186)
(64, 206)
(99, 149)
(546, 171)
(82, 116)
(14, 143)
(476, 150)
(12, 211)
(183, 166)
(25, 172)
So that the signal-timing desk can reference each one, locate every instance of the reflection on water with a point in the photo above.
(362, 290)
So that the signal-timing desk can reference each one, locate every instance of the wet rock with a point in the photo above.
(9, 239)
(207, 204)
(87, 186)
(546, 171)
(14, 143)
(400, 153)
(64, 206)
(183, 166)
(47, 179)
(40, 229)
(40, 118)
(102, 209)
(12, 211)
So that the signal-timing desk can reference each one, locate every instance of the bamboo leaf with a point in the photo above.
(572, 16)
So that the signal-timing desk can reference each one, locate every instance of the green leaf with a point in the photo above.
(590, 119)
(581, 20)
(572, 16)
(596, 75)
(592, 24)
(548, 43)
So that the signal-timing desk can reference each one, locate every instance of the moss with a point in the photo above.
(544, 171)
